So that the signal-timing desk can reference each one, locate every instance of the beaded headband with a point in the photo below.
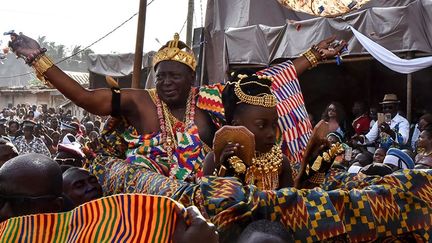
(173, 53)
(264, 99)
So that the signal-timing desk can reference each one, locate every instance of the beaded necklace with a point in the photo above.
(264, 171)
(171, 125)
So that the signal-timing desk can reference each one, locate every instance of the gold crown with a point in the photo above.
(173, 53)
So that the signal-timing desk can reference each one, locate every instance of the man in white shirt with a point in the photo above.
(392, 132)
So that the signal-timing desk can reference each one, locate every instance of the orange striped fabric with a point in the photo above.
(118, 218)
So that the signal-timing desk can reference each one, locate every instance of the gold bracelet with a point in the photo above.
(311, 57)
(41, 65)
(237, 164)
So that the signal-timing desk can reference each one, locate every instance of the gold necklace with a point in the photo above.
(170, 120)
(264, 171)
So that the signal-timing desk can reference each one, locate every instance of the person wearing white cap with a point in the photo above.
(66, 129)
(394, 160)
(393, 132)
(397, 159)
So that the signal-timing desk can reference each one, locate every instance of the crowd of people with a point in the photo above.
(160, 142)
(369, 138)
(56, 134)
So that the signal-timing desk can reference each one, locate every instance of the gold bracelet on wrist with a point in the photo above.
(41, 65)
(237, 164)
(311, 57)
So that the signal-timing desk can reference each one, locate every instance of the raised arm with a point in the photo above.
(95, 101)
(325, 49)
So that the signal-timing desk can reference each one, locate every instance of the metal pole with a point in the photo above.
(189, 26)
(139, 45)
(409, 92)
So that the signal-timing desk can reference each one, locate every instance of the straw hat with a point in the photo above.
(390, 99)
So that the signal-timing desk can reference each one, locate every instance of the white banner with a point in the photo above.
(389, 59)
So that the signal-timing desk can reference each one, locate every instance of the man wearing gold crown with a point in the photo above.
(172, 126)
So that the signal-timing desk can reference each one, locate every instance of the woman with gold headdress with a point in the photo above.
(249, 104)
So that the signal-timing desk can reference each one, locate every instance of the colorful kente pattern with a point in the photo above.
(293, 117)
(397, 205)
(119, 218)
(210, 100)
(123, 141)
(148, 151)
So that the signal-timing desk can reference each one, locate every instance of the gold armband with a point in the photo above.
(41, 65)
(311, 57)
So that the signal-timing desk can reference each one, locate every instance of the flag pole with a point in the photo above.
(139, 45)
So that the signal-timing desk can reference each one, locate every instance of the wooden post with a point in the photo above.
(139, 45)
(409, 91)
(189, 26)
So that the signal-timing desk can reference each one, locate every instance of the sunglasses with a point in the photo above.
(22, 199)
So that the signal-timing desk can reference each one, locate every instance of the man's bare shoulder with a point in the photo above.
(138, 95)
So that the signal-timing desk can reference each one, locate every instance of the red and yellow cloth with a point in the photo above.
(119, 218)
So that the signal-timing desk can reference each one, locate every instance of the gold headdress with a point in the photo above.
(264, 99)
(173, 53)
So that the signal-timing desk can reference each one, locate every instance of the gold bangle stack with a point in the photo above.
(311, 57)
(41, 65)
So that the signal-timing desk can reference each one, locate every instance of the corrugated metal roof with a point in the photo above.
(80, 77)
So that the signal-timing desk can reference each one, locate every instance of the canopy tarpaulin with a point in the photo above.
(258, 32)
(116, 65)
(119, 66)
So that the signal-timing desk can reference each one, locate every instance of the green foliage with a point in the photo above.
(58, 52)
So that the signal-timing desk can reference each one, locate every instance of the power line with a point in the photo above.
(87, 47)
(103, 37)
(184, 24)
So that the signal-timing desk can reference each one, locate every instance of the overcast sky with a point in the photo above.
(81, 22)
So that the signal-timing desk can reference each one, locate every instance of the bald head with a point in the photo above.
(263, 231)
(30, 184)
(31, 174)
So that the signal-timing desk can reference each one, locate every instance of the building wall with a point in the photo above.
(16, 98)
(23, 97)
